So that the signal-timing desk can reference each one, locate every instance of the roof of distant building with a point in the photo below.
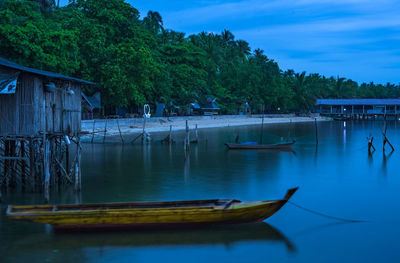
(358, 101)
(210, 105)
(93, 101)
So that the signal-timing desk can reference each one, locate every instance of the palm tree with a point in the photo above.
(172, 36)
(243, 48)
(227, 37)
(45, 5)
(154, 21)
(300, 88)
(339, 87)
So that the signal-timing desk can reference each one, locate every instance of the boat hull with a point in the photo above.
(117, 215)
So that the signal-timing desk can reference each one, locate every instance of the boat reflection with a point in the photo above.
(287, 150)
(224, 235)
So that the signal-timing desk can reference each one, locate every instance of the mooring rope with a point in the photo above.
(324, 215)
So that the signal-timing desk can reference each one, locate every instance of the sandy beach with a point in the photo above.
(133, 126)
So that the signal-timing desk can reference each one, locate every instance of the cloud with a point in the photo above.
(240, 10)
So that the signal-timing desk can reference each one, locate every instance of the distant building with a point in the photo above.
(195, 108)
(358, 106)
(91, 106)
(211, 107)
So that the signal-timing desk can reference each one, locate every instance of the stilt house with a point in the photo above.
(40, 115)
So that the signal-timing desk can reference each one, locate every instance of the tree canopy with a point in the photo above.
(136, 61)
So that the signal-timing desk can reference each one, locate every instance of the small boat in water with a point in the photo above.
(256, 146)
(149, 214)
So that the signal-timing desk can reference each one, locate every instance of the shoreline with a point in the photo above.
(134, 126)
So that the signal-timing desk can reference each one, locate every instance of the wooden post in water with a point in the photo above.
(144, 135)
(170, 135)
(187, 141)
(370, 145)
(262, 127)
(120, 134)
(94, 124)
(290, 126)
(196, 135)
(105, 131)
(385, 139)
(316, 131)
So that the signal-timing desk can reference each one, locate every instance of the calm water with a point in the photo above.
(337, 178)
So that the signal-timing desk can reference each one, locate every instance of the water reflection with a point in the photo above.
(48, 244)
(225, 235)
(337, 175)
(385, 159)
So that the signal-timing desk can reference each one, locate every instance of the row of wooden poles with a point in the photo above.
(145, 136)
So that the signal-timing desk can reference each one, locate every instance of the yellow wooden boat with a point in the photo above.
(150, 214)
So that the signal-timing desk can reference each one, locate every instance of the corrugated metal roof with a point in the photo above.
(358, 101)
(10, 64)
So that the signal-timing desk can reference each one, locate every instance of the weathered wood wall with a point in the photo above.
(32, 110)
(17, 110)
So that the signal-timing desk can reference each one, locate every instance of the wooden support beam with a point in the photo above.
(137, 137)
(64, 171)
(26, 159)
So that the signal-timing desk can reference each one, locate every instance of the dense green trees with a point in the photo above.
(137, 61)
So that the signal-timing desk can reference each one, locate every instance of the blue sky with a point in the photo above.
(356, 39)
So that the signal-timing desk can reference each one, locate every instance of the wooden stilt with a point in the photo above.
(34, 162)
(77, 167)
(23, 165)
(12, 175)
(32, 166)
(46, 166)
